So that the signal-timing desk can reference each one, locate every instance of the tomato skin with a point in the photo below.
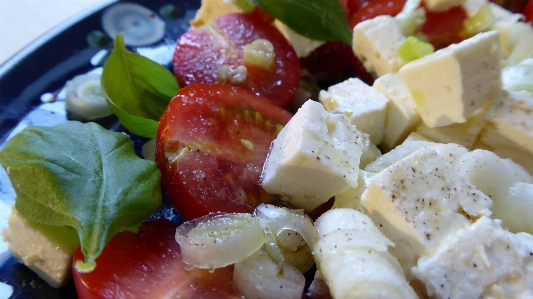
(528, 11)
(444, 28)
(374, 8)
(201, 51)
(149, 265)
(328, 61)
(209, 125)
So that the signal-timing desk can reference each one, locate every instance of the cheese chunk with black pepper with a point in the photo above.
(473, 259)
(314, 157)
(422, 200)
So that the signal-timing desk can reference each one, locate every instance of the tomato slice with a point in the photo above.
(444, 28)
(528, 11)
(149, 265)
(374, 8)
(211, 144)
(202, 51)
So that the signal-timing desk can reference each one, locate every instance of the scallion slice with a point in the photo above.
(219, 240)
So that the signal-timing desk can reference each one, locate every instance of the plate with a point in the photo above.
(39, 72)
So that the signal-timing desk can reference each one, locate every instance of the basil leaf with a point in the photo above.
(316, 19)
(83, 176)
(137, 87)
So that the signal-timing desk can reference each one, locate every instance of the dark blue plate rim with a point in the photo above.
(42, 67)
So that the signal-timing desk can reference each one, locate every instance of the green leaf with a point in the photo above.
(83, 176)
(136, 88)
(316, 19)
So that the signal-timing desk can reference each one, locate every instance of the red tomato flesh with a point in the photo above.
(149, 265)
(211, 144)
(202, 51)
(528, 11)
(374, 8)
(444, 28)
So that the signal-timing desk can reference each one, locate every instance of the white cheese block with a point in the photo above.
(472, 260)
(414, 136)
(422, 200)
(511, 117)
(465, 134)
(442, 5)
(449, 85)
(302, 45)
(376, 42)
(449, 151)
(516, 286)
(46, 250)
(364, 106)
(314, 157)
(402, 116)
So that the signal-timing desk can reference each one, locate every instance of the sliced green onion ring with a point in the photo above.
(219, 240)
(85, 98)
(259, 276)
(290, 235)
(279, 219)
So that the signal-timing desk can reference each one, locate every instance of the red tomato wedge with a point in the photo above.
(202, 51)
(149, 265)
(443, 28)
(211, 144)
(528, 11)
(374, 8)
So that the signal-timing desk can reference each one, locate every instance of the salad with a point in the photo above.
(271, 182)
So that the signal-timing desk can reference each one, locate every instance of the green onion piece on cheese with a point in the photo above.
(413, 48)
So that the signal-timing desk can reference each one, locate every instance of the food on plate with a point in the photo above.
(85, 98)
(240, 50)
(352, 257)
(211, 144)
(158, 271)
(46, 249)
(73, 175)
(423, 178)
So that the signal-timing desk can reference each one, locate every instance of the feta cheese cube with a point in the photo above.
(516, 286)
(465, 134)
(402, 116)
(472, 260)
(364, 106)
(449, 85)
(449, 152)
(47, 250)
(423, 200)
(376, 42)
(511, 117)
(315, 156)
